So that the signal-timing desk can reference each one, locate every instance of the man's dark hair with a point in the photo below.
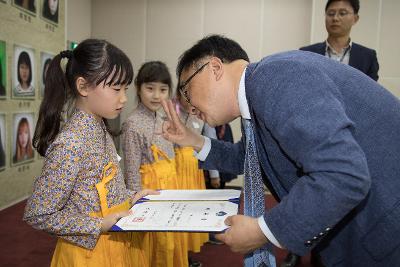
(355, 4)
(213, 45)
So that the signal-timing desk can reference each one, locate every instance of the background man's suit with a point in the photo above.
(361, 57)
(330, 136)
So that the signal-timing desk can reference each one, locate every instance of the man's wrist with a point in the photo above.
(198, 142)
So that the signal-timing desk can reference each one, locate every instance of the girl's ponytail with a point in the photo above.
(56, 94)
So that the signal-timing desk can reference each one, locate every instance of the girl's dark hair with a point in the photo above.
(24, 58)
(227, 50)
(97, 61)
(45, 65)
(153, 71)
(355, 4)
(47, 13)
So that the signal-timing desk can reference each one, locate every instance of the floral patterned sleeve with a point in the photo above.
(48, 208)
(132, 147)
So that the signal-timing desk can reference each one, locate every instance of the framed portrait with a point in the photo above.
(28, 6)
(3, 139)
(3, 70)
(49, 10)
(23, 72)
(45, 59)
(21, 142)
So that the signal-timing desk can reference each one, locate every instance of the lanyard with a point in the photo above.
(342, 57)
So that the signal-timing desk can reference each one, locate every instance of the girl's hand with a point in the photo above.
(112, 219)
(144, 193)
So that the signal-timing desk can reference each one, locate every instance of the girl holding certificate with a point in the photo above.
(81, 193)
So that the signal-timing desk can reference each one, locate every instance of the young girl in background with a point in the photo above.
(149, 159)
(81, 192)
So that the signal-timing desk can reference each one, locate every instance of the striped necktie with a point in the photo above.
(254, 198)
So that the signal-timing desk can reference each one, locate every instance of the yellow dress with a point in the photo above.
(149, 163)
(112, 249)
(163, 248)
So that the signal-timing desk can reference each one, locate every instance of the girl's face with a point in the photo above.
(24, 72)
(23, 135)
(53, 5)
(152, 93)
(105, 101)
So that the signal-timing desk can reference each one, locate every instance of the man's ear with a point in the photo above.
(81, 86)
(356, 18)
(217, 67)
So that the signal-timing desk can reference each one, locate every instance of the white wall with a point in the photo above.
(78, 20)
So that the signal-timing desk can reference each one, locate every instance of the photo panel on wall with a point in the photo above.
(49, 11)
(45, 59)
(28, 6)
(3, 138)
(23, 72)
(3, 70)
(23, 129)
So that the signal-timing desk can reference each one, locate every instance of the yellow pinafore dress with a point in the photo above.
(112, 249)
(190, 177)
(164, 249)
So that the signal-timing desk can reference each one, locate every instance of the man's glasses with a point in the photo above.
(181, 87)
(340, 13)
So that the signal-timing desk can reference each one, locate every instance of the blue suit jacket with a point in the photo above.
(328, 143)
(361, 57)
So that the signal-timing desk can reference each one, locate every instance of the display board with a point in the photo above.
(31, 33)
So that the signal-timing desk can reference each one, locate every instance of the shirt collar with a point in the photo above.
(329, 47)
(243, 105)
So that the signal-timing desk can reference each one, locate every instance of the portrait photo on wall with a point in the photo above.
(50, 10)
(3, 139)
(22, 149)
(26, 5)
(45, 59)
(3, 69)
(23, 72)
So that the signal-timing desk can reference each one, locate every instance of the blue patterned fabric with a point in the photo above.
(254, 197)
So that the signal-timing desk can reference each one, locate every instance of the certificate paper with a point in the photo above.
(182, 211)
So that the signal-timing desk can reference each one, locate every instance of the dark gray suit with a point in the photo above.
(328, 141)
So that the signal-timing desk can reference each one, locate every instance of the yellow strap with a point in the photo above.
(101, 187)
(156, 152)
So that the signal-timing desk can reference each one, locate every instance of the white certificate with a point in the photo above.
(197, 211)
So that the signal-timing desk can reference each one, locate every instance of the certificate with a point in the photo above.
(182, 211)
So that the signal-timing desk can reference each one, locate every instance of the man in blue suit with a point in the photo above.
(327, 145)
(340, 16)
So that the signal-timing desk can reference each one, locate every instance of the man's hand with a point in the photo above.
(244, 235)
(174, 131)
(215, 182)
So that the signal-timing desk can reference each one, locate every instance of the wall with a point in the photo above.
(78, 20)
(32, 31)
